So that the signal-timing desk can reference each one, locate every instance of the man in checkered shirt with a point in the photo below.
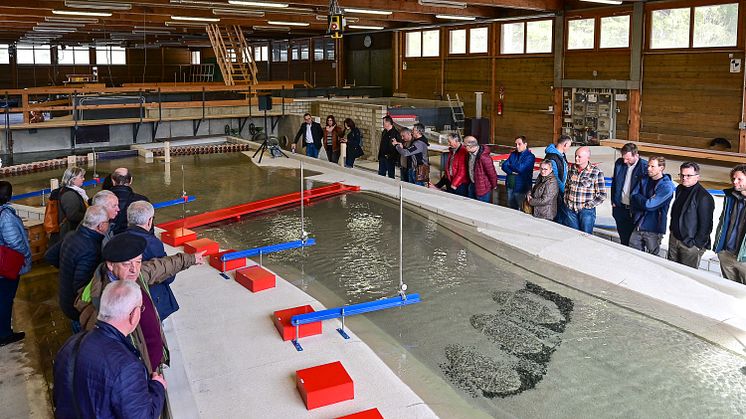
(584, 191)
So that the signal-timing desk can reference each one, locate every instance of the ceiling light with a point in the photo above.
(104, 5)
(372, 28)
(368, 12)
(283, 23)
(54, 30)
(271, 28)
(237, 12)
(71, 19)
(442, 3)
(77, 13)
(61, 24)
(196, 19)
(451, 17)
(603, 1)
(180, 23)
(348, 19)
(257, 4)
(157, 28)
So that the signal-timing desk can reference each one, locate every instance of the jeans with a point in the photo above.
(647, 241)
(412, 177)
(472, 193)
(8, 290)
(515, 199)
(332, 155)
(404, 174)
(582, 220)
(624, 224)
(386, 167)
(349, 162)
(462, 190)
(312, 151)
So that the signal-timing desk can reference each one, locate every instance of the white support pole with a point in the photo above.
(167, 151)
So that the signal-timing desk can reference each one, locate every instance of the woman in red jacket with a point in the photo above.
(480, 169)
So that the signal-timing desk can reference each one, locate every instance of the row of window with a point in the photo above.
(42, 55)
(711, 26)
(323, 49)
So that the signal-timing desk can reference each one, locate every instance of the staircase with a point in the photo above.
(457, 112)
(233, 55)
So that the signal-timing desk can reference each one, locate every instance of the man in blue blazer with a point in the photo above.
(629, 170)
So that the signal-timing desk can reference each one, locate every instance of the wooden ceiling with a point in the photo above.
(160, 22)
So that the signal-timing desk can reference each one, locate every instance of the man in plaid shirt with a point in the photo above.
(584, 191)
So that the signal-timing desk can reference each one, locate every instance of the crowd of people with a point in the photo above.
(331, 138)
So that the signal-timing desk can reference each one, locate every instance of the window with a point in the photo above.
(715, 26)
(280, 52)
(111, 56)
(330, 49)
(478, 40)
(670, 28)
(34, 54)
(196, 57)
(304, 51)
(457, 41)
(413, 47)
(261, 53)
(422, 44)
(73, 55)
(539, 36)
(4, 54)
(512, 38)
(299, 52)
(318, 50)
(580, 33)
(615, 32)
(295, 53)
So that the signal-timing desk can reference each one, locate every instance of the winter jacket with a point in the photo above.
(544, 197)
(110, 380)
(71, 211)
(416, 153)
(337, 134)
(163, 297)
(456, 171)
(126, 196)
(316, 131)
(355, 143)
(14, 236)
(650, 210)
(152, 272)
(695, 222)
(77, 257)
(485, 175)
(520, 166)
(620, 174)
(554, 155)
(725, 216)
(386, 150)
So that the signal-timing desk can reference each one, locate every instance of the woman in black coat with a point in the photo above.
(354, 140)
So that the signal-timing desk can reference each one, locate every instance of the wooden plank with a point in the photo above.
(713, 155)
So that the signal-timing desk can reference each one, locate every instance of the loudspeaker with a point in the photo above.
(265, 103)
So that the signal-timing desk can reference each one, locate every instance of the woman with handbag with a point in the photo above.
(15, 259)
(543, 197)
(354, 142)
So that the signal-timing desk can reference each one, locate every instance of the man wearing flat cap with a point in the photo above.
(123, 262)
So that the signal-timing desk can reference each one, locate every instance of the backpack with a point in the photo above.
(51, 213)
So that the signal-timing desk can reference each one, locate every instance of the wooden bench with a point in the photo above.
(688, 152)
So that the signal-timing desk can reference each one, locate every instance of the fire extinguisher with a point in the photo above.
(500, 97)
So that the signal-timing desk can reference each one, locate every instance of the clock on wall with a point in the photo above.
(367, 41)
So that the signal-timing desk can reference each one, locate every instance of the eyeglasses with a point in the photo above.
(134, 310)
(683, 176)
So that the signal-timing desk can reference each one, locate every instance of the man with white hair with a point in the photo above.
(140, 219)
(77, 257)
(110, 203)
(99, 373)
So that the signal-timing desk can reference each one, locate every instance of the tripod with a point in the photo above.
(274, 149)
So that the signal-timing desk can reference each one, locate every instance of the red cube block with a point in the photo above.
(178, 236)
(210, 247)
(255, 278)
(287, 330)
(365, 414)
(230, 265)
(324, 385)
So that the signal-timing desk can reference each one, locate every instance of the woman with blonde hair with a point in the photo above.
(72, 201)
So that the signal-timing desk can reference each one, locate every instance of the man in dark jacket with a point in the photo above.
(122, 188)
(729, 240)
(691, 218)
(99, 374)
(140, 218)
(312, 133)
(629, 171)
(650, 201)
(77, 257)
(387, 154)
(520, 170)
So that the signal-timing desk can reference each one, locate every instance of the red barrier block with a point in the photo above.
(230, 265)
(324, 385)
(255, 278)
(178, 236)
(365, 414)
(210, 247)
(287, 330)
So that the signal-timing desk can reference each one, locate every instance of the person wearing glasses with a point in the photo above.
(99, 373)
(650, 200)
(481, 170)
(691, 218)
(729, 239)
(122, 257)
(543, 198)
(312, 133)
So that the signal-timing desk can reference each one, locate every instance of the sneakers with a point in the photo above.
(12, 338)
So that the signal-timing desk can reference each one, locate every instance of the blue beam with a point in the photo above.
(47, 191)
(177, 201)
(266, 249)
(354, 309)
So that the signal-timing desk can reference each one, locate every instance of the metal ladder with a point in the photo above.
(457, 112)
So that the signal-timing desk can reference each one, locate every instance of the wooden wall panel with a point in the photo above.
(609, 65)
(466, 76)
(422, 78)
(689, 99)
